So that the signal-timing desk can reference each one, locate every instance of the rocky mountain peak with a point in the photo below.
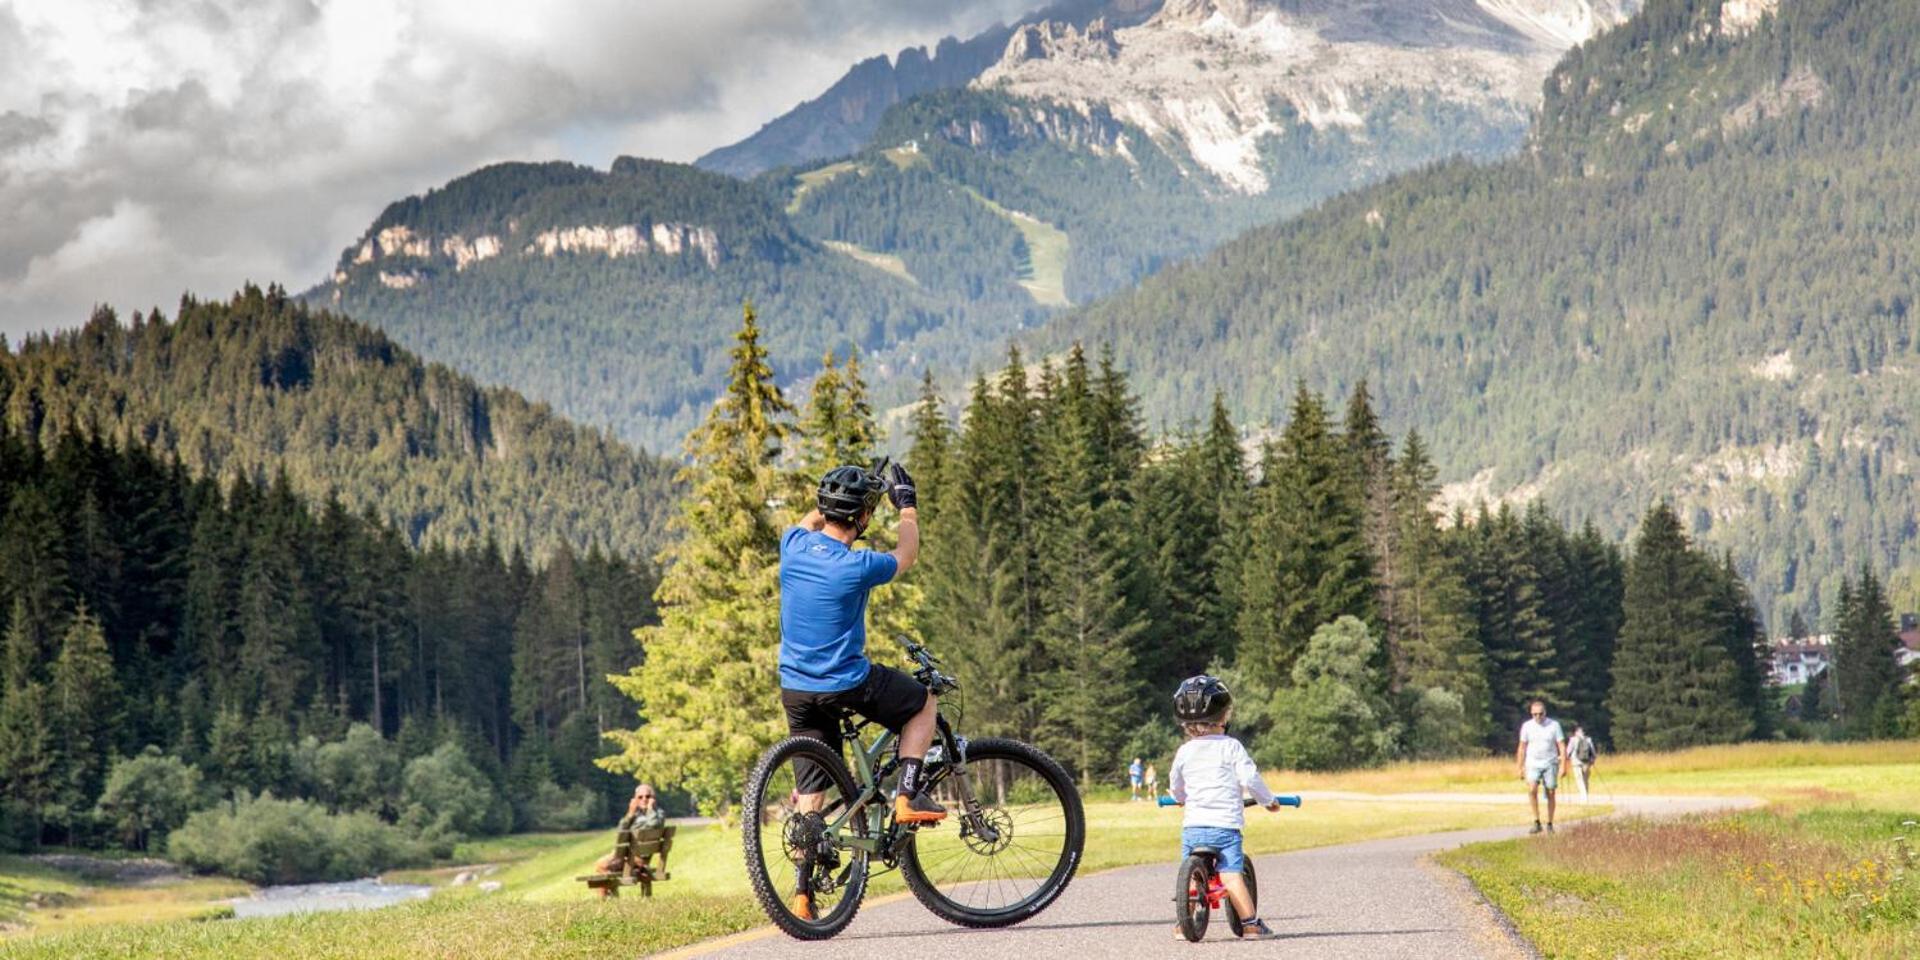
(1214, 80)
(1052, 38)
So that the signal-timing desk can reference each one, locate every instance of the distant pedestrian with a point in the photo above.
(1153, 782)
(1135, 774)
(1542, 757)
(1582, 751)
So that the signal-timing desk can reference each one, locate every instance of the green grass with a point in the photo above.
(1825, 871)
(542, 911)
(815, 178)
(1822, 882)
(69, 901)
(883, 261)
(1553, 889)
(1045, 275)
(1877, 774)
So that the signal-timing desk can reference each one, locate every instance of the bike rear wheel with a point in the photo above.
(1012, 859)
(1190, 898)
(787, 851)
(1235, 921)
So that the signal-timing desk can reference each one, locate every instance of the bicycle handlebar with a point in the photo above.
(1284, 800)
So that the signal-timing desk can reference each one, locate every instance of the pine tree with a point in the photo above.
(1088, 625)
(1673, 683)
(1746, 645)
(1369, 454)
(1306, 561)
(85, 706)
(1513, 629)
(27, 775)
(33, 566)
(1866, 676)
(932, 435)
(709, 686)
(550, 650)
(1599, 577)
(1438, 644)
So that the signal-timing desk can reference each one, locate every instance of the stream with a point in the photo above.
(369, 894)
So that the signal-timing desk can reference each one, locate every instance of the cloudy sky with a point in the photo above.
(149, 147)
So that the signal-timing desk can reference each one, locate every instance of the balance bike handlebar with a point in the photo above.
(1285, 800)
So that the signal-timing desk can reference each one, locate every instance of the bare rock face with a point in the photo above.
(1211, 80)
(1049, 39)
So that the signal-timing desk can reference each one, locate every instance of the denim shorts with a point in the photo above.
(1547, 776)
(1225, 841)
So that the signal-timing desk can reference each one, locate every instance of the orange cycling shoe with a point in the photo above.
(920, 808)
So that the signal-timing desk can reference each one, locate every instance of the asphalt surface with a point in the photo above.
(1377, 900)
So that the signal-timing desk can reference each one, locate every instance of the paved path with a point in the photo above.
(1377, 900)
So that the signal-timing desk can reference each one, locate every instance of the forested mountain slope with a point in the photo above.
(260, 384)
(609, 294)
(1105, 141)
(1696, 282)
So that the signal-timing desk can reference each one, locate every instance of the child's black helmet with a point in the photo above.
(1202, 699)
(847, 493)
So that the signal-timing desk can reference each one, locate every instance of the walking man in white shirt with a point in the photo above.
(1541, 757)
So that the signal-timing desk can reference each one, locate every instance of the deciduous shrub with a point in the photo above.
(266, 840)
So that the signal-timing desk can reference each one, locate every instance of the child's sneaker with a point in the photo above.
(1257, 930)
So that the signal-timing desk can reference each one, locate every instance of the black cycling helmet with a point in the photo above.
(1202, 699)
(847, 493)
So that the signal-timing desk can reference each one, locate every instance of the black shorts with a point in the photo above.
(886, 697)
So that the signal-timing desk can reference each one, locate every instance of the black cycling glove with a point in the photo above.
(900, 487)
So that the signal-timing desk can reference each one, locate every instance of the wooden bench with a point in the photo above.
(632, 852)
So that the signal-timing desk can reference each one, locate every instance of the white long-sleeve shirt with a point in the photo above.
(1208, 774)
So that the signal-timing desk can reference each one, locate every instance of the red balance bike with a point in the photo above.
(1199, 892)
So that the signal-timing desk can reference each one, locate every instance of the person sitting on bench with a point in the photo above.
(642, 814)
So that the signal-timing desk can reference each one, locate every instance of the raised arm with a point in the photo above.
(906, 499)
(908, 549)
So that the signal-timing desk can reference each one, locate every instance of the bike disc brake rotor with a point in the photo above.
(996, 835)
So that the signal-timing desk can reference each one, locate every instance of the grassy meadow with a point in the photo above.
(541, 911)
(1828, 869)
(1819, 870)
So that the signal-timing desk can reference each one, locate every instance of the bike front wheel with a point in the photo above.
(1010, 856)
(809, 887)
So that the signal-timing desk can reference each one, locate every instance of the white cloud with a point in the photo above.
(148, 147)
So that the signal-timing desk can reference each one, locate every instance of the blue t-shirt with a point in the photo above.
(823, 610)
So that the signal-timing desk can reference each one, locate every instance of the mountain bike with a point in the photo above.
(1198, 891)
(1009, 847)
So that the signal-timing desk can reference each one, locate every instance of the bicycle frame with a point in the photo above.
(869, 772)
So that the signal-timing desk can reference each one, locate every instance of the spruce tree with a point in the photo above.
(1439, 647)
(1306, 561)
(27, 774)
(1746, 645)
(932, 438)
(1514, 630)
(85, 711)
(973, 613)
(1599, 577)
(1674, 684)
(1222, 472)
(1088, 625)
(1866, 675)
(709, 686)
(1369, 455)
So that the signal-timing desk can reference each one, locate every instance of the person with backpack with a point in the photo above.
(1582, 751)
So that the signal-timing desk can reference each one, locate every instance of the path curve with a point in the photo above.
(1379, 899)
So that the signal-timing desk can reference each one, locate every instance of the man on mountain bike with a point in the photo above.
(824, 670)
